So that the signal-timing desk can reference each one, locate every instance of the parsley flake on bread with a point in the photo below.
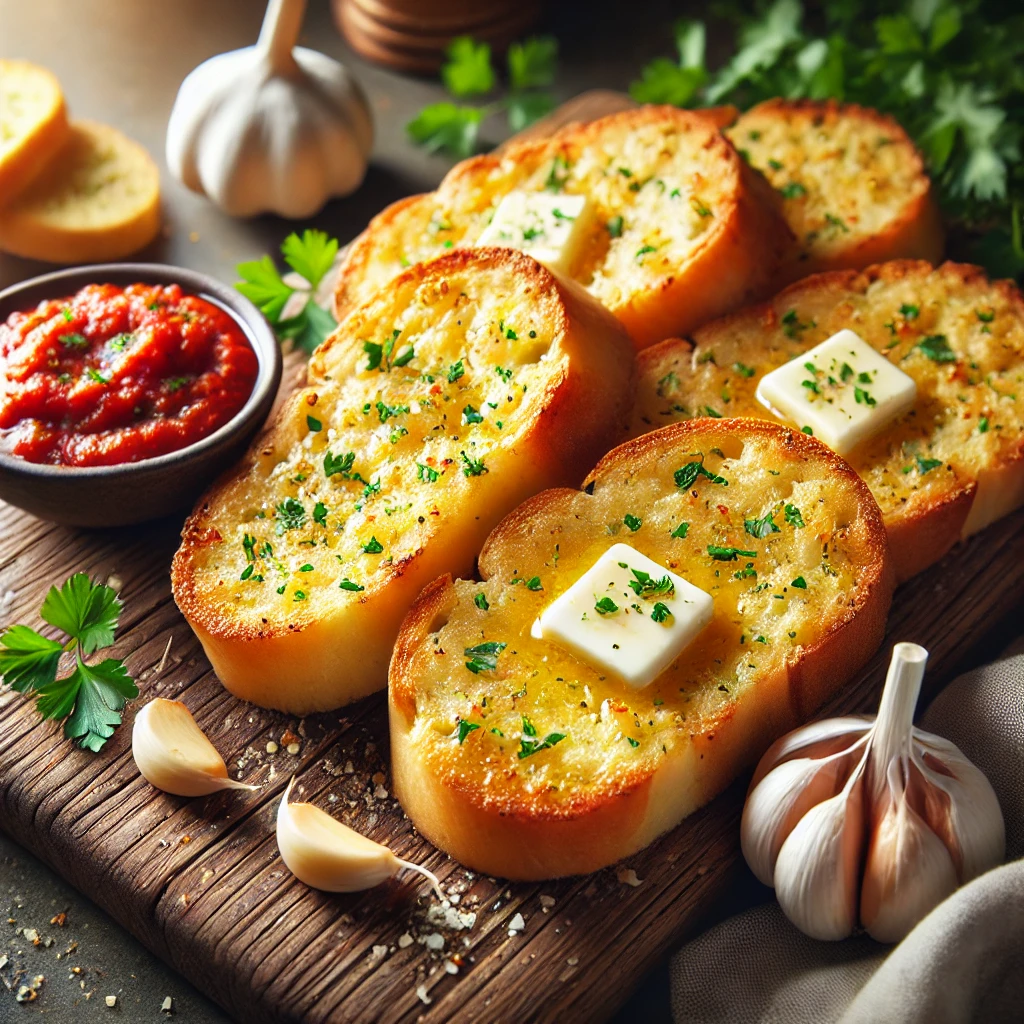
(465, 386)
(524, 760)
(679, 229)
(946, 468)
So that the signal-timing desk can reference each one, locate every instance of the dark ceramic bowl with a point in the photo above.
(136, 491)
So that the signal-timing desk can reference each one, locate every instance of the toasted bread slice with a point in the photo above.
(682, 229)
(465, 386)
(969, 412)
(97, 199)
(853, 185)
(33, 123)
(625, 765)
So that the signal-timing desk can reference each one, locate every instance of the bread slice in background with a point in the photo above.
(97, 199)
(518, 382)
(633, 763)
(969, 411)
(853, 186)
(716, 234)
(33, 123)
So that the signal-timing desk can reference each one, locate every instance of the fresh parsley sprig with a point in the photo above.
(311, 256)
(947, 70)
(91, 698)
(469, 71)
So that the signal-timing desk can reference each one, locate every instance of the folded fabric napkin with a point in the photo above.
(963, 963)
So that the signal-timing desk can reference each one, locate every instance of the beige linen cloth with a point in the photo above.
(962, 963)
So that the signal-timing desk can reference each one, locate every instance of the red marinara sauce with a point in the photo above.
(114, 375)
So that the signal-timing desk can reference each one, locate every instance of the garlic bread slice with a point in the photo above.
(679, 228)
(853, 186)
(463, 387)
(947, 468)
(523, 760)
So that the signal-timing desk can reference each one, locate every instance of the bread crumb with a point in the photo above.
(405, 941)
(167, 1006)
(627, 876)
(111, 1001)
(272, 747)
(293, 748)
(547, 902)
(516, 925)
(421, 991)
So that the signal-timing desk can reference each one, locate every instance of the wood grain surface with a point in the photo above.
(201, 884)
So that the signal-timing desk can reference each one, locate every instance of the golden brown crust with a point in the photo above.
(740, 245)
(869, 198)
(968, 412)
(625, 797)
(562, 402)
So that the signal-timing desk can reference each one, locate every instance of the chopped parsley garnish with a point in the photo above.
(455, 371)
(836, 223)
(986, 316)
(687, 475)
(743, 370)
(793, 190)
(481, 601)
(760, 528)
(505, 375)
(700, 208)
(633, 522)
(471, 415)
(614, 227)
(660, 612)
(809, 431)
(339, 463)
(374, 353)
(530, 743)
(308, 567)
(862, 397)
(645, 585)
(291, 515)
(74, 340)
(320, 513)
(632, 742)
(937, 349)
(533, 583)
(606, 606)
(927, 465)
(472, 467)
(983, 425)
(91, 698)
(909, 312)
(314, 424)
(385, 412)
(373, 546)
(681, 530)
(800, 583)
(347, 584)
(721, 554)
(793, 516)
(465, 728)
(95, 375)
(174, 383)
(643, 251)
(484, 657)
(426, 473)
(246, 572)
(299, 595)
(792, 326)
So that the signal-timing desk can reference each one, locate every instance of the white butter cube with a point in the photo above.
(842, 389)
(627, 616)
(547, 226)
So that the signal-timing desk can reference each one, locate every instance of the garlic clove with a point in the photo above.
(816, 873)
(173, 753)
(974, 830)
(325, 854)
(781, 799)
(818, 739)
(908, 872)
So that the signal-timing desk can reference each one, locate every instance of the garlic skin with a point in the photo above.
(270, 128)
(173, 753)
(869, 821)
(325, 854)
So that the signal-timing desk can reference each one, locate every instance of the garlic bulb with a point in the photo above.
(869, 820)
(271, 127)
(173, 753)
(325, 854)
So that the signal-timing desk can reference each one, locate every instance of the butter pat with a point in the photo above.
(635, 636)
(842, 389)
(546, 226)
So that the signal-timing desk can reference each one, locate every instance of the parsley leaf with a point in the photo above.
(310, 256)
(721, 554)
(936, 348)
(465, 728)
(532, 63)
(484, 657)
(530, 743)
(760, 528)
(467, 70)
(446, 126)
(91, 698)
(794, 516)
(687, 476)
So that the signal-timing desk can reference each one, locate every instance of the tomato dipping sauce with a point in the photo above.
(113, 375)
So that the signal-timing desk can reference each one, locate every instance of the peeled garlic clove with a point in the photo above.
(327, 855)
(780, 800)
(908, 873)
(975, 827)
(173, 753)
(816, 873)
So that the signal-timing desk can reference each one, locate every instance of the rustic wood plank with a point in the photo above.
(200, 882)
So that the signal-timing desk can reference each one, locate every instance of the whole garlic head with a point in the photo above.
(173, 753)
(325, 854)
(869, 820)
(271, 127)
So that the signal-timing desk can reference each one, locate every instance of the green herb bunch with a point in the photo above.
(91, 698)
(469, 71)
(311, 256)
(950, 71)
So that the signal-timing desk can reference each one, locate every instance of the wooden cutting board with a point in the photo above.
(200, 882)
